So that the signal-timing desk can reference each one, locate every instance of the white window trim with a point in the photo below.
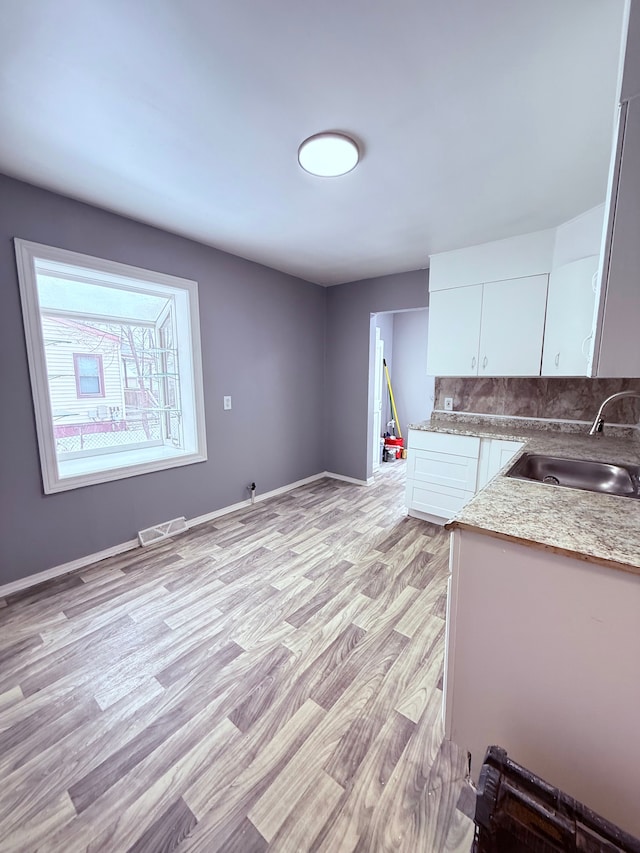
(26, 252)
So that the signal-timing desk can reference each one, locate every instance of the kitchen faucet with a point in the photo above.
(598, 423)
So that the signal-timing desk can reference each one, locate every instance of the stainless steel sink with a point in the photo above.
(622, 480)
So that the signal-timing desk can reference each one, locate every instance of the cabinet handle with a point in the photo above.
(473, 362)
(585, 343)
(484, 362)
(558, 359)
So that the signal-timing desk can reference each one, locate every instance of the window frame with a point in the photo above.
(53, 480)
(83, 395)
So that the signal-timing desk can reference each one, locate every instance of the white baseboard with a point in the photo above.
(64, 569)
(225, 510)
(348, 479)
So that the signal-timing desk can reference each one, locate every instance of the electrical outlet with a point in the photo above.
(448, 404)
(227, 403)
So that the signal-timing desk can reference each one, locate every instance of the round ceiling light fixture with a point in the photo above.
(328, 154)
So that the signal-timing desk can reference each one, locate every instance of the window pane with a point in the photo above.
(88, 365)
(88, 370)
(89, 384)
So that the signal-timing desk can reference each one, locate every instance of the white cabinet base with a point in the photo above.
(442, 473)
(438, 501)
(425, 516)
(445, 471)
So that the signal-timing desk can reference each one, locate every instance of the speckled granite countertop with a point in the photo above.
(598, 528)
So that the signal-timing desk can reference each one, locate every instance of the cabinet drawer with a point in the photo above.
(439, 501)
(443, 469)
(461, 445)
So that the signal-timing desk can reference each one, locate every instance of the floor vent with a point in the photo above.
(151, 535)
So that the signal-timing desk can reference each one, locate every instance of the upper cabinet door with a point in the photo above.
(617, 316)
(569, 325)
(617, 351)
(512, 326)
(631, 68)
(454, 331)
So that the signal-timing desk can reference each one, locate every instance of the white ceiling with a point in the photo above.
(479, 119)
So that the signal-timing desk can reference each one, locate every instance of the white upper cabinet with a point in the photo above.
(512, 326)
(569, 324)
(454, 331)
(616, 351)
(491, 329)
(487, 307)
(631, 72)
(617, 347)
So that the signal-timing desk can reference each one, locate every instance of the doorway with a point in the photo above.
(400, 338)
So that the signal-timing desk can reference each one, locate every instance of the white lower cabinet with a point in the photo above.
(445, 471)
(495, 453)
(442, 471)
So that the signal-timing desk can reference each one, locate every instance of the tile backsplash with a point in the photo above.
(566, 399)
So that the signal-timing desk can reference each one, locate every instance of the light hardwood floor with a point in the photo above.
(268, 681)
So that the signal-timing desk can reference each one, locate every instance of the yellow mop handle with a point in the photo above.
(393, 402)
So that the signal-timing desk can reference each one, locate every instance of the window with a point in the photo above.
(114, 358)
(89, 375)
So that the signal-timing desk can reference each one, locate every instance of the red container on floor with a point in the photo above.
(398, 443)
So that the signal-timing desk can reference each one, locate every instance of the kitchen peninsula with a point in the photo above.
(543, 621)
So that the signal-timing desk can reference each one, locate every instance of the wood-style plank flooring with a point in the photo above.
(268, 681)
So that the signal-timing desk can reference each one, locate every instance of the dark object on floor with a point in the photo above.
(516, 811)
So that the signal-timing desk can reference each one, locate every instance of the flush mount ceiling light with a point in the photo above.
(328, 154)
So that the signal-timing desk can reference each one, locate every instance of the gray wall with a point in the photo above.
(412, 388)
(263, 342)
(350, 346)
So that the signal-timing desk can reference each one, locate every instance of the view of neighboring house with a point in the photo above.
(109, 385)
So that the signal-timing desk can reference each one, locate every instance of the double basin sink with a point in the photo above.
(621, 480)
